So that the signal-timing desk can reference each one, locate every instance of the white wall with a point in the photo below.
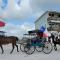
(42, 22)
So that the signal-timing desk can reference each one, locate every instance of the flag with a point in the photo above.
(2, 24)
(46, 33)
(42, 29)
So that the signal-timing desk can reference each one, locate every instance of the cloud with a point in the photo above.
(14, 11)
(28, 8)
(0, 2)
(17, 30)
(27, 27)
(38, 5)
(23, 11)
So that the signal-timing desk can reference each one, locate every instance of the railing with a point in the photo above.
(53, 18)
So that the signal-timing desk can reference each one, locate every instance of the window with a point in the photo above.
(58, 15)
(51, 14)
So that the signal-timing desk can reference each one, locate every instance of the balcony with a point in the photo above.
(53, 18)
(54, 23)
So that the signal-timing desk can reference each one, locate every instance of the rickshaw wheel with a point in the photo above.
(29, 49)
(22, 47)
(23, 43)
(47, 48)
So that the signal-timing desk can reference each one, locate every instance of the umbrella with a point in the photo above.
(2, 24)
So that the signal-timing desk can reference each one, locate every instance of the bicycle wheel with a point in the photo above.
(47, 48)
(29, 49)
(39, 48)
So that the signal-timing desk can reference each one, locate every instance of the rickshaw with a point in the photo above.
(38, 43)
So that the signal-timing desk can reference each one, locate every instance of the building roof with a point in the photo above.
(45, 13)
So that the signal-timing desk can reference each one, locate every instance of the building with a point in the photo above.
(50, 20)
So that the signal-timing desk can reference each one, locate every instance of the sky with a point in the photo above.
(20, 15)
